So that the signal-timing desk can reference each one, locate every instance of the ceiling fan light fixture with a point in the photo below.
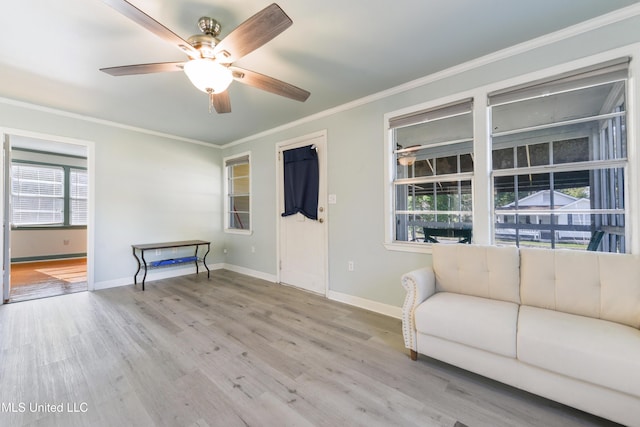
(208, 76)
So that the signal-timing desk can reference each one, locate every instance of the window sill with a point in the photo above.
(237, 231)
(49, 227)
(409, 247)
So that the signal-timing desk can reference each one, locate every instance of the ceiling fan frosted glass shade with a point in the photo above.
(208, 76)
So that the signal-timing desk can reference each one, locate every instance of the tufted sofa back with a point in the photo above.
(594, 284)
(483, 271)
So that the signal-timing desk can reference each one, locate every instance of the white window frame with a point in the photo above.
(455, 109)
(227, 208)
(482, 186)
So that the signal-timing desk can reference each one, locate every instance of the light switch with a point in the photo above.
(333, 199)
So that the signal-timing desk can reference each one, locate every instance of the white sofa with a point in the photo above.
(562, 324)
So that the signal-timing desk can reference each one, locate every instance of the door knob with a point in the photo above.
(321, 220)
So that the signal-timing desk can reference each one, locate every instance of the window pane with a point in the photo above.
(560, 209)
(79, 190)
(240, 170)
(576, 104)
(429, 161)
(239, 220)
(442, 208)
(37, 194)
(239, 185)
(37, 210)
(239, 203)
(78, 212)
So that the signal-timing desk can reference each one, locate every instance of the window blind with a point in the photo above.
(78, 194)
(37, 195)
(607, 72)
(441, 112)
(237, 161)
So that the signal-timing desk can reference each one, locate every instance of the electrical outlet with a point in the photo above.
(65, 242)
(174, 250)
(158, 251)
(350, 266)
(224, 250)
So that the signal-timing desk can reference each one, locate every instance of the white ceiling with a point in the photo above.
(339, 50)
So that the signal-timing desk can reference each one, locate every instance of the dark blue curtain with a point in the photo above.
(301, 181)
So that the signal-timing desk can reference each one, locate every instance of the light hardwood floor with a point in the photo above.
(42, 279)
(235, 351)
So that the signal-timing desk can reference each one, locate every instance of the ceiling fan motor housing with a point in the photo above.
(206, 41)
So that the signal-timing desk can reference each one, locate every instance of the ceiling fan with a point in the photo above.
(210, 66)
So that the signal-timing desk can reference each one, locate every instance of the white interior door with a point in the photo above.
(302, 241)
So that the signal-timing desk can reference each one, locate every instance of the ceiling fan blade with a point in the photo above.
(221, 102)
(269, 84)
(139, 17)
(159, 67)
(252, 33)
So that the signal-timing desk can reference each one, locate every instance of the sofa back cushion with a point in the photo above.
(482, 271)
(595, 284)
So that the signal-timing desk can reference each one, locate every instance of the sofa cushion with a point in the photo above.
(482, 271)
(597, 351)
(477, 322)
(594, 284)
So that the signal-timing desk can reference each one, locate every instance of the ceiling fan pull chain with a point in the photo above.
(210, 92)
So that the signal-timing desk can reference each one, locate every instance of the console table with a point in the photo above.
(142, 261)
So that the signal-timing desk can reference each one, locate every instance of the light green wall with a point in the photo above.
(355, 163)
(152, 188)
(147, 188)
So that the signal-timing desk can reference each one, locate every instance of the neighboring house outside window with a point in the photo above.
(238, 193)
(433, 174)
(559, 151)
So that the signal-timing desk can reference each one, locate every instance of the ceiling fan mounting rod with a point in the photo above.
(209, 26)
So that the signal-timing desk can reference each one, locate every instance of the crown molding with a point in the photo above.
(63, 113)
(544, 40)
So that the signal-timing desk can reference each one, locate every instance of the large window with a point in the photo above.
(433, 174)
(559, 156)
(543, 161)
(238, 193)
(46, 195)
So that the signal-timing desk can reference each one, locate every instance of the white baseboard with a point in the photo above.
(367, 304)
(154, 275)
(249, 272)
(375, 306)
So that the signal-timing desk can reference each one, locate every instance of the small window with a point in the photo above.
(433, 174)
(37, 195)
(238, 193)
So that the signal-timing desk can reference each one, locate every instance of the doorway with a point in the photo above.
(45, 217)
(302, 242)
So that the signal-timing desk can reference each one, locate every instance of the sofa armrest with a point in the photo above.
(420, 285)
